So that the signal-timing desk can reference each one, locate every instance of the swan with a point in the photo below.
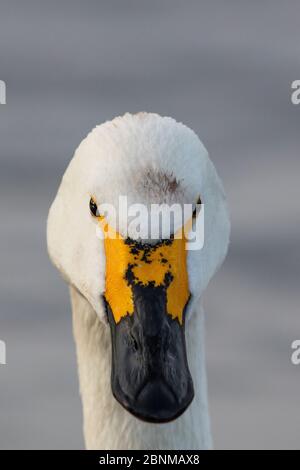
(137, 310)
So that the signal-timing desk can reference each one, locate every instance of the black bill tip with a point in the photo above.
(155, 403)
(150, 377)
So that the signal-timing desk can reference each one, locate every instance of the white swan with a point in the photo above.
(150, 159)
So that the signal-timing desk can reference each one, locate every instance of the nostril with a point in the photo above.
(130, 337)
(133, 342)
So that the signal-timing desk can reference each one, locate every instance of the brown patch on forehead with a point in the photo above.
(158, 187)
(162, 181)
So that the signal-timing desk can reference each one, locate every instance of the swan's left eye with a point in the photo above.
(93, 208)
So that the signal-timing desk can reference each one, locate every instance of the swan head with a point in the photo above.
(145, 287)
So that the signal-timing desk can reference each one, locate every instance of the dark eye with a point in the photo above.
(93, 208)
(196, 210)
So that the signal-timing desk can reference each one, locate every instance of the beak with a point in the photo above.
(150, 376)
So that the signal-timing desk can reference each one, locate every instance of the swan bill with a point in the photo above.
(146, 295)
(150, 376)
(146, 298)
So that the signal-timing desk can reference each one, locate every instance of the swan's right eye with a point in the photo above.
(93, 208)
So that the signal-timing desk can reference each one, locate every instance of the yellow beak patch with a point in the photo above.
(129, 262)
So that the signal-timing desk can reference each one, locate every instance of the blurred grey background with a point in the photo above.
(223, 68)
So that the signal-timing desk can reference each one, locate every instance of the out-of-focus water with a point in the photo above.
(223, 68)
